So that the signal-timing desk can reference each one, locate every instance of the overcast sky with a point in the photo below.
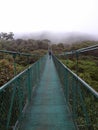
(49, 15)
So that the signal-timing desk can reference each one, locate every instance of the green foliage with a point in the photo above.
(36, 47)
(6, 71)
(87, 70)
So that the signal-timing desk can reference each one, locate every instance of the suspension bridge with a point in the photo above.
(48, 96)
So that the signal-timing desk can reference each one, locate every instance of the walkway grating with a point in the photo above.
(48, 109)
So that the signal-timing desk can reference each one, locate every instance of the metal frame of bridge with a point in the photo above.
(57, 98)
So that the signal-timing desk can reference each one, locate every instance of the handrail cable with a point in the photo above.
(16, 53)
(90, 48)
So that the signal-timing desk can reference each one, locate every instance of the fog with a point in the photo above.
(57, 37)
(53, 16)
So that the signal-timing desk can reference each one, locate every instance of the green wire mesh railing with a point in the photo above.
(16, 94)
(81, 98)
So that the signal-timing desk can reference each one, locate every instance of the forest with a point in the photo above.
(87, 63)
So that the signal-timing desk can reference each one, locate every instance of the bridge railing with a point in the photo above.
(16, 94)
(81, 98)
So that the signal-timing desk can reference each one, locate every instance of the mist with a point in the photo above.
(57, 37)
(52, 16)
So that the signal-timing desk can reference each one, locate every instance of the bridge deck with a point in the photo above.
(48, 109)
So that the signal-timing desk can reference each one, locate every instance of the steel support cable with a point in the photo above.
(90, 48)
(86, 50)
(16, 53)
(94, 46)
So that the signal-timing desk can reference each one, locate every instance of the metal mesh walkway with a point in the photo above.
(48, 109)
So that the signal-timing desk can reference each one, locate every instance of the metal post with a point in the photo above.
(27, 59)
(29, 84)
(66, 59)
(14, 57)
(77, 57)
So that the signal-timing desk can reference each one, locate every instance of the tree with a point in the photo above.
(7, 36)
(61, 45)
(10, 36)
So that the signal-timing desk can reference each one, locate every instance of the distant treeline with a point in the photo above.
(31, 45)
